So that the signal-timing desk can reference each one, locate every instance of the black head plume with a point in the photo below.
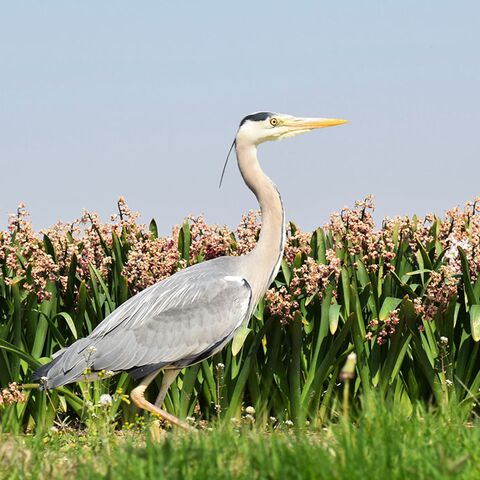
(257, 117)
(226, 161)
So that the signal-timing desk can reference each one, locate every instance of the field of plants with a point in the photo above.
(404, 298)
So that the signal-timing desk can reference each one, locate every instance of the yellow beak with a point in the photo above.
(312, 123)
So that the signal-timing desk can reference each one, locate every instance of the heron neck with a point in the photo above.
(265, 258)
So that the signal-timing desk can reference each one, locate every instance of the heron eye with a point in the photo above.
(273, 122)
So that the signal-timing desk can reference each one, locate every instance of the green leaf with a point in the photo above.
(17, 351)
(389, 304)
(81, 306)
(239, 339)
(333, 314)
(318, 246)
(294, 370)
(69, 321)
(345, 281)
(417, 272)
(321, 336)
(43, 323)
(287, 273)
(476, 288)
(72, 271)
(184, 241)
(426, 259)
(362, 273)
(48, 245)
(475, 322)
(117, 253)
(153, 228)
(187, 394)
(467, 282)
(298, 260)
(239, 385)
(406, 288)
(96, 273)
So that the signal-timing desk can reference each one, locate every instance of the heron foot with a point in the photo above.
(157, 433)
(138, 398)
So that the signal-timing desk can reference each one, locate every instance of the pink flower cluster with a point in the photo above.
(24, 255)
(313, 277)
(297, 242)
(354, 230)
(151, 260)
(208, 241)
(383, 329)
(11, 394)
(281, 304)
(41, 262)
(308, 280)
(246, 235)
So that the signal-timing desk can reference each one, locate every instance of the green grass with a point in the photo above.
(383, 442)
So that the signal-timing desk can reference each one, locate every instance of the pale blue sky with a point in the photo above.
(142, 99)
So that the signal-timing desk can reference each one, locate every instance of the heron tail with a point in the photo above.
(68, 367)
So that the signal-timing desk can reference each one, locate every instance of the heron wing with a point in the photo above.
(176, 322)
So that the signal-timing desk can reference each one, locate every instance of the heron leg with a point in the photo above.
(168, 377)
(138, 398)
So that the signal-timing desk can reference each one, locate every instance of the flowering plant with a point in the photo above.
(389, 294)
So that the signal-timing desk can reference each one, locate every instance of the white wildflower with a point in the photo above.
(105, 400)
(452, 252)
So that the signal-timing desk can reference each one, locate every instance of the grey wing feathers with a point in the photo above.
(176, 322)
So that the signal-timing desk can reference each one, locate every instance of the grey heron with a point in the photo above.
(191, 315)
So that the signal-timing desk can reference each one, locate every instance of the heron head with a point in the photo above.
(261, 127)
